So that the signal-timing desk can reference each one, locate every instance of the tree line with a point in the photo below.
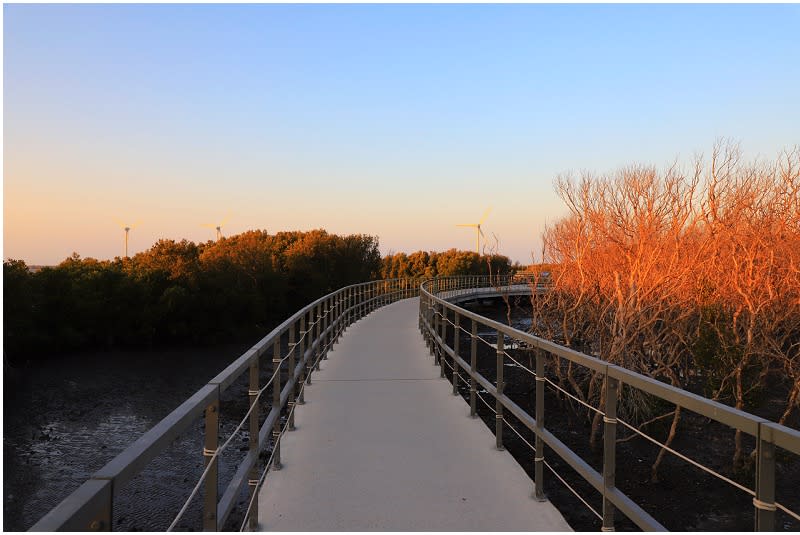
(181, 292)
(453, 262)
(177, 291)
(688, 276)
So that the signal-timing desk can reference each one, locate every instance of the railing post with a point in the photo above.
(443, 336)
(609, 450)
(253, 476)
(340, 308)
(764, 501)
(335, 320)
(212, 479)
(538, 464)
(498, 405)
(456, 344)
(292, 365)
(276, 404)
(340, 313)
(346, 315)
(304, 368)
(317, 334)
(436, 329)
(419, 316)
(326, 322)
(473, 361)
(432, 325)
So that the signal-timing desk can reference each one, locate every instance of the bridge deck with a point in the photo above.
(382, 445)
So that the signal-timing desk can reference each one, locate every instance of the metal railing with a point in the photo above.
(439, 312)
(315, 328)
(311, 332)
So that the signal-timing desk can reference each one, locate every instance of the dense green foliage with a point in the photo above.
(448, 263)
(184, 292)
(177, 292)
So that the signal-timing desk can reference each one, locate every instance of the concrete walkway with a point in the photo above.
(382, 445)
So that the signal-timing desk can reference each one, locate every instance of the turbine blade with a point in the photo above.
(479, 230)
(485, 215)
(466, 225)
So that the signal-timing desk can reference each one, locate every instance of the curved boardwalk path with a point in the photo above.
(382, 445)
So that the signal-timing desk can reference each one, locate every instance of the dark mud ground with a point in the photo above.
(685, 498)
(65, 418)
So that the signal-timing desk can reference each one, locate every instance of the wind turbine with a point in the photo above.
(127, 229)
(217, 227)
(477, 227)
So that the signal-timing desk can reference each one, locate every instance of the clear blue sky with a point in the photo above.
(394, 120)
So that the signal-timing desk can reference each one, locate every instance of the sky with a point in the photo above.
(398, 121)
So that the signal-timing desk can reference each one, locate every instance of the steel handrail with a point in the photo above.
(89, 508)
(439, 298)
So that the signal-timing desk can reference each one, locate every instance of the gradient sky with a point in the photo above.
(394, 120)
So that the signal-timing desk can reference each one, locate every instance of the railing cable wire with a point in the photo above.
(267, 465)
(588, 406)
(687, 459)
(485, 402)
(233, 434)
(592, 509)
(520, 436)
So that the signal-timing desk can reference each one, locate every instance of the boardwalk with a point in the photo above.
(383, 445)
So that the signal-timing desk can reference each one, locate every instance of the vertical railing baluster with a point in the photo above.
(252, 476)
(609, 449)
(346, 311)
(431, 325)
(764, 501)
(334, 321)
(443, 335)
(456, 344)
(212, 479)
(292, 365)
(538, 465)
(301, 400)
(326, 321)
(341, 313)
(276, 403)
(473, 362)
(419, 316)
(436, 328)
(317, 331)
(340, 308)
(498, 405)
